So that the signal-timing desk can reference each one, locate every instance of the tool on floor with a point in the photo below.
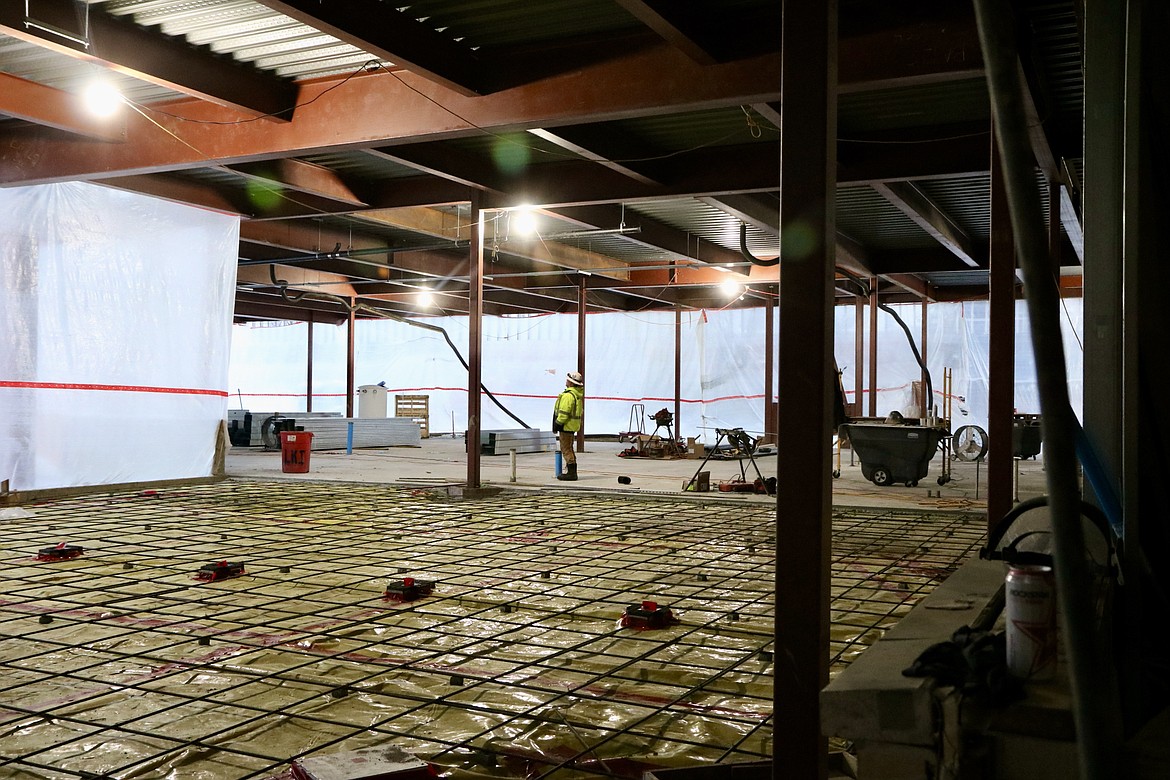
(635, 427)
(408, 589)
(746, 444)
(647, 616)
(59, 552)
(221, 570)
(654, 445)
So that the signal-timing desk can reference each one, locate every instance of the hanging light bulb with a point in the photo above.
(425, 298)
(523, 221)
(731, 288)
(102, 99)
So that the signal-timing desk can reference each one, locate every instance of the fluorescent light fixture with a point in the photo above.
(102, 99)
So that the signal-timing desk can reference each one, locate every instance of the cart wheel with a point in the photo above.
(912, 484)
(943, 480)
(882, 477)
(836, 474)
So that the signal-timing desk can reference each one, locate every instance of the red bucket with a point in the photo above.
(294, 451)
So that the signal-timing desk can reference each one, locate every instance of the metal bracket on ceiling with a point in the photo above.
(36, 24)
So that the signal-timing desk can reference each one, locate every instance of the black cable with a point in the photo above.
(928, 400)
(356, 307)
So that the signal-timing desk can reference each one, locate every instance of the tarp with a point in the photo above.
(116, 310)
(629, 362)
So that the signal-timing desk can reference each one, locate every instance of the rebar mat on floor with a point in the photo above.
(121, 663)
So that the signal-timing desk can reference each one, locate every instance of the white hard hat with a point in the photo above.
(575, 378)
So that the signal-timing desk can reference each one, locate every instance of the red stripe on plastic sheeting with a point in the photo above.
(111, 388)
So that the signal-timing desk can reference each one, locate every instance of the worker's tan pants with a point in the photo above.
(566, 440)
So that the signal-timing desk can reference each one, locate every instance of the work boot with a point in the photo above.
(571, 475)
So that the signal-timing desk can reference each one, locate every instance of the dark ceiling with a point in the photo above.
(352, 136)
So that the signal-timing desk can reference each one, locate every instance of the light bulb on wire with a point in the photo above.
(102, 99)
(523, 221)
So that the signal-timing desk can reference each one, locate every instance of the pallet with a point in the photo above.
(417, 408)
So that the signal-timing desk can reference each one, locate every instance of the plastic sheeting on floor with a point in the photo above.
(115, 309)
(120, 663)
(629, 360)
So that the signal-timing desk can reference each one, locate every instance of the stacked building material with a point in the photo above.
(331, 433)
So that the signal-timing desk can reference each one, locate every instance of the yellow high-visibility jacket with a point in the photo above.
(569, 412)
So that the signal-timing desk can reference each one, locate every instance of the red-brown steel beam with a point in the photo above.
(804, 503)
(150, 56)
(49, 107)
(381, 108)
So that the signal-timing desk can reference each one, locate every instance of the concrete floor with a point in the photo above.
(441, 460)
(119, 661)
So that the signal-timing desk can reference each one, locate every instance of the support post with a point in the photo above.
(350, 333)
(309, 364)
(804, 505)
(677, 358)
(474, 344)
(858, 359)
(873, 326)
(581, 311)
(927, 403)
(769, 368)
(1001, 348)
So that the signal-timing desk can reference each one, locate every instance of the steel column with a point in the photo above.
(581, 311)
(1104, 234)
(350, 330)
(677, 370)
(807, 189)
(769, 368)
(858, 356)
(474, 344)
(873, 327)
(1001, 349)
(927, 403)
(309, 364)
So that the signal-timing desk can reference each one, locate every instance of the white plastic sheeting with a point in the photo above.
(629, 360)
(116, 310)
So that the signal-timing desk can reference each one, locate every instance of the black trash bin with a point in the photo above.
(1026, 438)
(893, 453)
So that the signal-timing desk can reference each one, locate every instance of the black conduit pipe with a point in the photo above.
(743, 250)
(928, 398)
(283, 285)
(864, 292)
(1096, 702)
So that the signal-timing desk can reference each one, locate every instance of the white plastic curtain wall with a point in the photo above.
(629, 361)
(116, 311)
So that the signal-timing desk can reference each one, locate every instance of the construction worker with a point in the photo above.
(568, 415)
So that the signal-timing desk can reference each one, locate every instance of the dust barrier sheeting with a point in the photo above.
(116, 311)
(120, 662)
(629, 359)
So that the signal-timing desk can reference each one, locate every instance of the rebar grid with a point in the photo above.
(119, 663)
